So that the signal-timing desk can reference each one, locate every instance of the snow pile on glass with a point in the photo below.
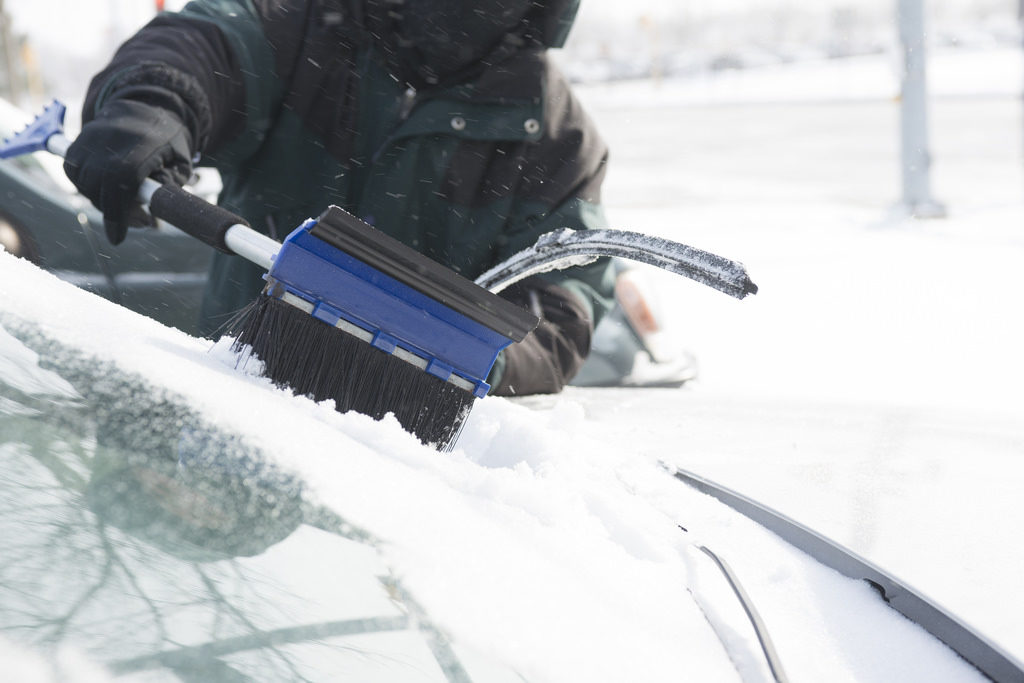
(165, 511)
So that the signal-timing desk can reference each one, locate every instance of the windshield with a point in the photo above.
(169, 516)
(132, 529)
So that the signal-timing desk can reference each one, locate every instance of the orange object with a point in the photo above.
(635, 306)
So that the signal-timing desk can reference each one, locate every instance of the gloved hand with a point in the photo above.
(552, 354)
(128, 141)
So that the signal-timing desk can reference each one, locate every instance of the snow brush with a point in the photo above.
(348, 313)
(353, 315)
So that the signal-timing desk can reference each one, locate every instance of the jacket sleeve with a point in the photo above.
(560, 187)
(551, 354)
(220, 57)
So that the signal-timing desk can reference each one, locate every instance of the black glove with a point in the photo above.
(128, 141)
(552, 354)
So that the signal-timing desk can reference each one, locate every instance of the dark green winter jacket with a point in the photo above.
(299, 105)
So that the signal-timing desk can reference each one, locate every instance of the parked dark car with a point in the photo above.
(158, 272)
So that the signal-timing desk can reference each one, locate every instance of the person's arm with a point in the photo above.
(560, 188)
(196, 82)
(548, 358)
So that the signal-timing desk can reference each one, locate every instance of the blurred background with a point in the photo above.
(51, 47)
(673, 39)
(672, 52)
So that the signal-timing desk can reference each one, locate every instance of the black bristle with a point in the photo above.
(315, 359)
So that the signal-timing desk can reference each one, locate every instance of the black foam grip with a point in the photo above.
(194, 215)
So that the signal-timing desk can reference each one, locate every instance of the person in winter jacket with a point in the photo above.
(441, 122)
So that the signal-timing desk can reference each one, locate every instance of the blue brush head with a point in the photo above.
(350, 275)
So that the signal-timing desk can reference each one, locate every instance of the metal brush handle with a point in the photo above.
(195, 216)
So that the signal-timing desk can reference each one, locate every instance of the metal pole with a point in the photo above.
(915, 156)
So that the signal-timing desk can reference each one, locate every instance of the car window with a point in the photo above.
(31, 165)
(158, 544)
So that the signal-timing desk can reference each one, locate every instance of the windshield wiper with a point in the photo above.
(983, 654)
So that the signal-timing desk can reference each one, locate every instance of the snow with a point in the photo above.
(537, 542)
(871, 390)
(68, 666)
(20, 369)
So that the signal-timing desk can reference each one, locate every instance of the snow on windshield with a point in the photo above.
(533, 542)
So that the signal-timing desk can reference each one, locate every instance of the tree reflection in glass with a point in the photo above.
(136, 531)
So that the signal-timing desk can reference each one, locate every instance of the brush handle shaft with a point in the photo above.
(209, 223)
(252, 246)
(58, 144)
(194, 216)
